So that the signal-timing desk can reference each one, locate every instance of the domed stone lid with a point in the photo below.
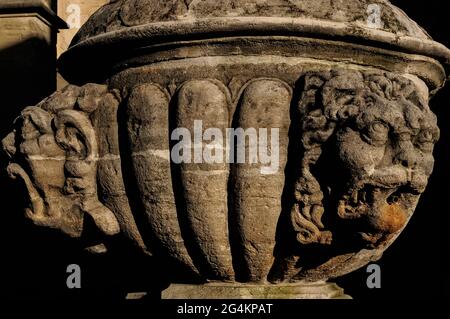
(122, 14)
(139, 23)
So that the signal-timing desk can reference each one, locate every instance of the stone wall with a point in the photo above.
(68, 10)
(27, 54)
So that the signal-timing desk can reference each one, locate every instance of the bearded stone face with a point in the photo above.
(382, 134)
(39, 163)
(53, 152)
(387, 154)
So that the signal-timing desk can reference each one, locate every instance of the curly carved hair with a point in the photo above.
(331, 100)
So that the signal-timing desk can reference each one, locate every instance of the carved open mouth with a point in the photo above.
(383, 210)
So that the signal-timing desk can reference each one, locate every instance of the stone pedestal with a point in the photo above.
(316, 290)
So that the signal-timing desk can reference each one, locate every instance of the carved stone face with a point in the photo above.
(388, 156)
(39, 162)
(53, 151)
(384, 137)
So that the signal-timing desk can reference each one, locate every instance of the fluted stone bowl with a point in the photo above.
(346, 85)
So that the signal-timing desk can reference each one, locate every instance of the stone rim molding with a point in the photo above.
(109, 42)
(355, 129)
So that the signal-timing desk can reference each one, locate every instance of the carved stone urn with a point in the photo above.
(345, 86)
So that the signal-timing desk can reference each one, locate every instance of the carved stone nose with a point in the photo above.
(408, 162)
(406, 155)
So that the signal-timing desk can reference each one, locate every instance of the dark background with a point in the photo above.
(33, 264)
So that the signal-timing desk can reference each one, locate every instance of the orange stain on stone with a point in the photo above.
(391, 218)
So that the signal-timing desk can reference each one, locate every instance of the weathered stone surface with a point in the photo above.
(204, 185)
(148, 132)
(214, 28)
(257, 197)
(354, 144)
(119, 15)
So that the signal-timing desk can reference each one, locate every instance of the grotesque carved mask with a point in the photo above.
(373, 133)
(53, 150)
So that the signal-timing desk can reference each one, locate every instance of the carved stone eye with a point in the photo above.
(377, 133)
(426, 137)
(425, 140)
